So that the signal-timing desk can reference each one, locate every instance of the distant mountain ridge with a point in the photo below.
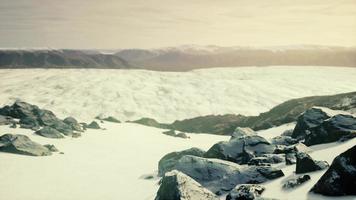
(182, 58)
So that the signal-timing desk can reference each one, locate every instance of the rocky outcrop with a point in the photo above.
(245, 192)
(221, 176)
(92, 125)
(338, 127)
(242, 132)
(49, 132)
(340, 178)
(240, 150)
(176, 185)
(21, 144)
(283, 140)
(266, 160)
(73, 123)
(168, 161)
(299, 147)
(305, 164)
(295, 181)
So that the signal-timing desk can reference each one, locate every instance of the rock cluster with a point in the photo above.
(21, 144)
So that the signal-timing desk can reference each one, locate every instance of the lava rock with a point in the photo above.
(49, 132)
(331, 130)
(306, 164)
(221, 176)
(21, 144)
(73, 123)
(245, 192)
(242, 132)
(310, 118)
(295, 181)
(340, 178)
(240, 150)
(93, 125)
(51, 147)
(168, 161)
(176, 185)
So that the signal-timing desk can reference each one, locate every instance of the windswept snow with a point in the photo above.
(167, 96)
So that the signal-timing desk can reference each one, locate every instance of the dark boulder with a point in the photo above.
(176, 185)
(309, 119)
(221, 176)
(295, 181)
(245, 192)
(93, 125)
(340, 178)
(49, 132)
(299, 147)
(305, 164)
(331, 130)
(168, 161)
(21, 144)
(283, 140)
(73, 123)
(266, 159)
(240, 150)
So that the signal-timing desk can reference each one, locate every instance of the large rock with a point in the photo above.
(241, 149)
(283, 140)
(21, 144)
(295, 181)
(305, 164)
(92, 125)
(73, 123)
(49, 132)
(331, 130)
(309, 119)
(266, 160)
(176, 185)
(221, 176)
(299, 147)
(168, 161)
(245, 192)
(242, 132)
(340, 178)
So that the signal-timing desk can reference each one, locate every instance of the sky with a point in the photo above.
(114, 24)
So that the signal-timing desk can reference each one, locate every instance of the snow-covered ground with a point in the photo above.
(167, 96)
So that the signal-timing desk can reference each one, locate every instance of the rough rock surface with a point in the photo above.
(299, 147)
(241, 132)
(176, 185)
(73, 123)
(49, 132)
(340, 178)
(240, 150)
(331, 130)
(290, 158)
(283, 140)
(306, 164)
(245, 192)
(21, 144)
(266, 159)
(221, 176)
(295, 181)
(168, 161)
(6, 120)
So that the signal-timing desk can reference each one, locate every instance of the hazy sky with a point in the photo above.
(157, 23)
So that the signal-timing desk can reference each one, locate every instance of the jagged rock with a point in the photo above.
(340, 178)
(306, 164)
(295, 181)
(240, 150)
(299, 147)
(290, 158)
(176, 185)
(221, 176)
(6, 120)
(283, 140)
(73, 123)
(49, 132)
(174, 134)
(93, 125)
(241, 132)
(168, 161)
(245, 192)
(309, 119)
(331, 130)
(51, 147)
(21, 144)
(266, 160)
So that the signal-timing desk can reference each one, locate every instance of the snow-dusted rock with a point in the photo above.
(295, 181)
(305, 164)
(21, 144)
(340, 178)
(176, 185)
(49, 132)
(240, 150)
(245, 192)
(331, 130)
(221, 176)
(242, 132)
(168, 161)
(299, 147)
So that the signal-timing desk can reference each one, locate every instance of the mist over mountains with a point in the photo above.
(182, 58)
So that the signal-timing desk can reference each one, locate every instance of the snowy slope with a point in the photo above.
(167, 96)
